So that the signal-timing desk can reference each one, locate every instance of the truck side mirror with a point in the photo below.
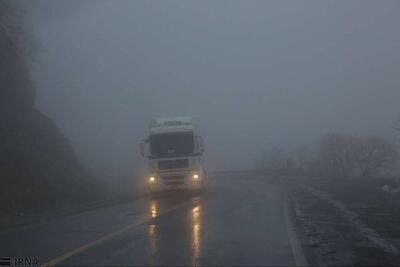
(143, 148)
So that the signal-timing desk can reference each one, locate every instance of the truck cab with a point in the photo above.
(174, 149)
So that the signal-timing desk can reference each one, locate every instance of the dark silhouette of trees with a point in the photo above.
(352, 156)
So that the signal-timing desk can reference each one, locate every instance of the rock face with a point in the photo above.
(37, 163)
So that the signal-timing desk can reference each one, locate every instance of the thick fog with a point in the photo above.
(257, 74)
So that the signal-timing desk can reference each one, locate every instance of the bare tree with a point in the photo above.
(374, 155)
(13, 29)
(274, 158)
(352, 156)
(335, 155)
(302, 156)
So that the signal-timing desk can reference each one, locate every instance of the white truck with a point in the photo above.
(174, 148)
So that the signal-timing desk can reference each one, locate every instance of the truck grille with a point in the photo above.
(173, 183)
(173, 179)
(173, 164)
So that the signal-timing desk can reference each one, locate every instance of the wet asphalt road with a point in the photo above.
(239, 222)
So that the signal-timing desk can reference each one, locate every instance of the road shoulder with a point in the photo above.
(295, 233)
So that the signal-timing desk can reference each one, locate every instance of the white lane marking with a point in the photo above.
(295, 244)
(352, 217)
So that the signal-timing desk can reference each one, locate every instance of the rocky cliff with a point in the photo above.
(37, 163)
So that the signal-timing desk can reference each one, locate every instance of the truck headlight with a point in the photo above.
(152, 179)
(196, 176)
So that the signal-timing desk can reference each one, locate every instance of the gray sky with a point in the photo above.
(257, 74)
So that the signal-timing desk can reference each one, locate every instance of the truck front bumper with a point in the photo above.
(166, 181)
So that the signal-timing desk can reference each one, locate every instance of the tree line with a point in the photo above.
(339, 155)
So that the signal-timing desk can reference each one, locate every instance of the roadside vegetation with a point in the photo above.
(341, 156)
(345, 190)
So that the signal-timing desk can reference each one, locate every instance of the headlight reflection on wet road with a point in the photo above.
(196, 234)
(195, 227)
(152, 229)
(153, 209)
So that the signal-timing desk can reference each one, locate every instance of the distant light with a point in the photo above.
(152, 179)
(195, 176)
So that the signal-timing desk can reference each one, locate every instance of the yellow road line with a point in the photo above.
(80, 249)
(93, 243)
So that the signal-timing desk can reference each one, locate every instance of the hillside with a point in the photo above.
(38, 167)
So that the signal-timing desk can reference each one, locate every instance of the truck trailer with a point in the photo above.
(174, 148)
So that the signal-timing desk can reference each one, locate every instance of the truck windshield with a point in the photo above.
(169, 144)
